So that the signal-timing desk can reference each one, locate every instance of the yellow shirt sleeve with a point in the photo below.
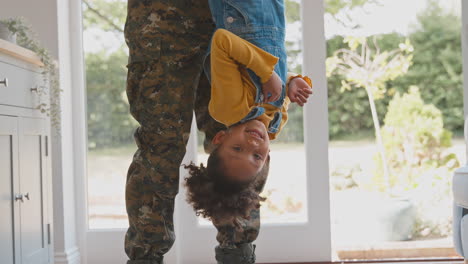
(232, 91)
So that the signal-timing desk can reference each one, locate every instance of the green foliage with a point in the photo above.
(415, 141)
(341, 10)
(109, 121)
(293, 57)
(333, 7)
(436, 70)
(108, 15)
(419, 162)
(342, 178)
(293, 15)
(365, 65)
(343, 118)
(348, 112)
(26, 38)
(293, 11)
(437, 64)
(433, 200)
(294, 129)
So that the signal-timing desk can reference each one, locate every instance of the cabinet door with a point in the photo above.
(34, 240)
(9, 242)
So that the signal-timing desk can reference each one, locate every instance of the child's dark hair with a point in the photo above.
(218, 198)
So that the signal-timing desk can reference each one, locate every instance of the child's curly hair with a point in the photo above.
(218, 198)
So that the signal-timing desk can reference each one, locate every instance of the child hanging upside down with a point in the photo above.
(238, 165)
(250, 94)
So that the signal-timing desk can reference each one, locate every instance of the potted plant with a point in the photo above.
(5, 32)
(26, 38)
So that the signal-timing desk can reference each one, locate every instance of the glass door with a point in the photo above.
(296, 214)
(109, 131)
(295, 217)
(396, 125)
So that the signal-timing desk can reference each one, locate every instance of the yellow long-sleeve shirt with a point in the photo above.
(232, 90)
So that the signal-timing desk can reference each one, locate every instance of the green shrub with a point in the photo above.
(437, 63)
(436, 70)
(349, 111)
(415, 142)
(109, 121)
(293, 131)
(420, 165)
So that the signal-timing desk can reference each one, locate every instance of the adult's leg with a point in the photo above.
(235, 246)
(166, 41)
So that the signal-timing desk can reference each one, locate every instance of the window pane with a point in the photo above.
(110, 126)
(388, 201)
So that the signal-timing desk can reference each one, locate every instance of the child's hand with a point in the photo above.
(299, 91)
(272, 88)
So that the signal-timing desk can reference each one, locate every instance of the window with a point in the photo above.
(387, 209)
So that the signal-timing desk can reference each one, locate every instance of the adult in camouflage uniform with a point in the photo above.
(167, 40)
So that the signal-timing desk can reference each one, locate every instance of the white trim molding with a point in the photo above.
(316, 128)
(71, 256)
(80, 139)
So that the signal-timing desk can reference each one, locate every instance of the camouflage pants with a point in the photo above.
(167, 40)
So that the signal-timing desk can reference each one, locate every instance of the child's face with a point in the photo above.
(244, 149)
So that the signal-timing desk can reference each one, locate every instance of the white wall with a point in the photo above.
(42, 15)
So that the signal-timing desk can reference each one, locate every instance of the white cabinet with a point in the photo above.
(21, 86)
(9, 244)
(25, 222)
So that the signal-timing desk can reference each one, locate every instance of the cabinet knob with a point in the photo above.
(4, 82)
(26, 196)
(34, 89)
(19, 197)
